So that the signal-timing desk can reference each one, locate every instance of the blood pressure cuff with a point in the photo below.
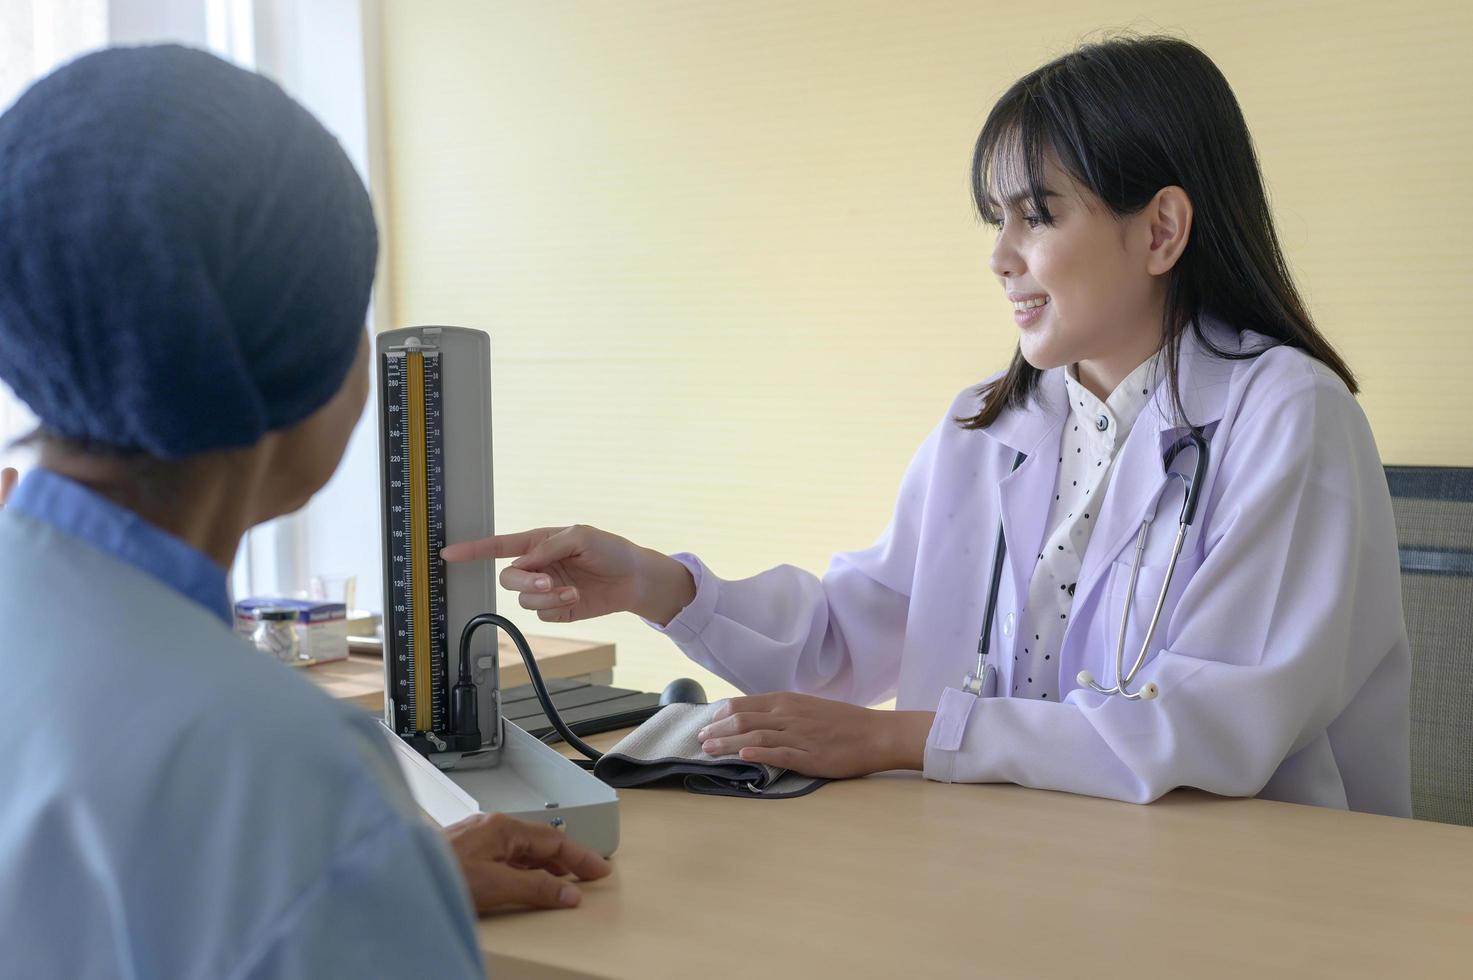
(665, 748)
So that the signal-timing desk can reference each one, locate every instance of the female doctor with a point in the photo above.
(1162, 349)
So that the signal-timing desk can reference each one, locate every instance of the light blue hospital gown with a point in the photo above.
(174, 804)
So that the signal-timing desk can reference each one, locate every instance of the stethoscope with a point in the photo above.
(982, 682)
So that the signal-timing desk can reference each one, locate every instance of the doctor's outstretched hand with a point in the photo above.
(580, 572)
(8, 479)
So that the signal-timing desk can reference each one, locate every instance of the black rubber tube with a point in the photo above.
(545, 699)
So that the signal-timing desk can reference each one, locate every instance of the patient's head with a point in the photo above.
(185, 264)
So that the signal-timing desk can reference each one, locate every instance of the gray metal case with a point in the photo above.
(514, 773)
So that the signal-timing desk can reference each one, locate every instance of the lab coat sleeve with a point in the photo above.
(1297, 601)
(786, 629)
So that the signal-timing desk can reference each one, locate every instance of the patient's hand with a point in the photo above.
(509, 862)
(8, 478)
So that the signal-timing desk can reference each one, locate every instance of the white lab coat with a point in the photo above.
(1282, 654)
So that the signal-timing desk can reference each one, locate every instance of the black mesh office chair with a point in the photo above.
(1434, 525)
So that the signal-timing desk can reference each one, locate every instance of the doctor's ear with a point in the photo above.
(1169, 218)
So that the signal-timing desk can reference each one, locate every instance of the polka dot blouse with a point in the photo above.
(1093, 435)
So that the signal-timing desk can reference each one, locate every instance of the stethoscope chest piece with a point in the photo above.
(985, 687)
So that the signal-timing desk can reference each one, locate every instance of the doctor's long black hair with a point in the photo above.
(1127, 117)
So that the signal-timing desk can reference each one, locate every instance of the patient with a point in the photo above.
(185, 264)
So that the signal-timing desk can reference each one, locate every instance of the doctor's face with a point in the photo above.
(1084, 268)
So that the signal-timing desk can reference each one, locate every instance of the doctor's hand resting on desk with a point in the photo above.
(568, 574)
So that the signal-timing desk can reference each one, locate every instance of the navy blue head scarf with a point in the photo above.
(185, 254)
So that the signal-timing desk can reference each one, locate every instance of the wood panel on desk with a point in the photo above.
(360, 679)
(894, 875)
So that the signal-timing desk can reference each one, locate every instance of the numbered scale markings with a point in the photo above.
(414, 475)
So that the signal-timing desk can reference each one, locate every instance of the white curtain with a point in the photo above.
(35, 37)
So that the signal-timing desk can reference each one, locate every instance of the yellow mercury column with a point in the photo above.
(419, 542)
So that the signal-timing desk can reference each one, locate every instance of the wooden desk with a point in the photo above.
(895, 876)
(360, 679)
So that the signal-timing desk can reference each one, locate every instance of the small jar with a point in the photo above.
(276, 633)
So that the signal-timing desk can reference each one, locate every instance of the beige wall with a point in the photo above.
(727, 261)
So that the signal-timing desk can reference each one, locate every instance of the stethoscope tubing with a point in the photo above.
(974, 683)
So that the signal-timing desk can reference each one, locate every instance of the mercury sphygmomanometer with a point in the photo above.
(434, 414)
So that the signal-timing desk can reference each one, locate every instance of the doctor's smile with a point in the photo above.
(1027, 308)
